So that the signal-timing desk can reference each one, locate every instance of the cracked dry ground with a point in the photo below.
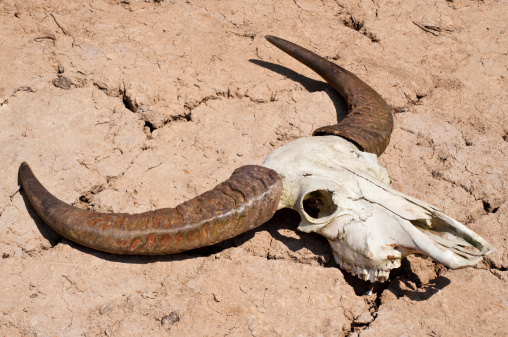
(135, 105)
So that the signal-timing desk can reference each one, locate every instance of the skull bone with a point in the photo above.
(343, 194)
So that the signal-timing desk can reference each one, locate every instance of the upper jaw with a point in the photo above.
(371, 249)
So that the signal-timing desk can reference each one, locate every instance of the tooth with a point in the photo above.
(382, 275)
(372, 275)
(362, 273)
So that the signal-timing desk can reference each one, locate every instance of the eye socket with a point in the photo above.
(319, 204)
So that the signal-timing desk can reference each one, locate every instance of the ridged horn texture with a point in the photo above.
(369, 123)
(246, 200)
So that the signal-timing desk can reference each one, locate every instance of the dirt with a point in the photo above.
(136, 105)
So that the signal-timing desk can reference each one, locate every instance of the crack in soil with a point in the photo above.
(85, 199)
(359, 25)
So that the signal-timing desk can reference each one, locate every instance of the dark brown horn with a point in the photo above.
(369, 123)
(246, 200)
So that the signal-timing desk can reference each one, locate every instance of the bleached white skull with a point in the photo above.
(343, 194)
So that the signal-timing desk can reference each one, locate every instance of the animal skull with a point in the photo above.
(334, 181)
(343, 194)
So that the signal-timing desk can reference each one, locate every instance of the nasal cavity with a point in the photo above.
(319, 204)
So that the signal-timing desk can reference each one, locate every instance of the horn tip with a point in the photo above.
(272, 39)
(24, 172)
(24, 166)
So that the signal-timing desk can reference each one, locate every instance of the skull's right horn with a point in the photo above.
(369, 123)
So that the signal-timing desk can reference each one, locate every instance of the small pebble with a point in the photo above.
(106, 308)
(168, 320)
(62, 83)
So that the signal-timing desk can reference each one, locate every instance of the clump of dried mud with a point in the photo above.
(135, 105)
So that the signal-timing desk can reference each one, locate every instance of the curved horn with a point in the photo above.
(246, 200)
(369, 123)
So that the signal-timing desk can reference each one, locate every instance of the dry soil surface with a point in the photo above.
(136, 105)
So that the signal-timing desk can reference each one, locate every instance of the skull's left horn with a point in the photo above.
(246, 200)
(369, 123)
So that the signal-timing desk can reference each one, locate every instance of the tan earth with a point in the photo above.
(136, 105)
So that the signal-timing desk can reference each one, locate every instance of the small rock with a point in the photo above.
(62, 83)
(45, 36)
(168, 320)
(364, 318)
(106, 308)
